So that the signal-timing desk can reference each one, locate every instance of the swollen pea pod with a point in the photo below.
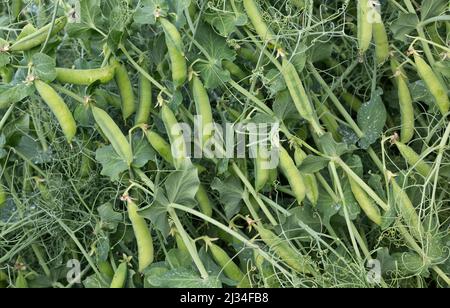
(6, 74)
(364, 25)
(234, 70)
(203, 108)
(381, 40)
(37, 38)
(310, 180)
(143, 236)
(125, 89)
(230, 268)
(406, 103)
(434, 85)
(299, 95)
(175, 47)
(176, 137)
(113, 133)
(292, 174)
(367, 205)
(261, 28)
(106, 269)
(160, 145)
(16, 8)
(59, 109)
(110, 98)
(3, 279)
(312, 188)
(145, 101)
(163, 149)
(3, 195)
(283, 249)
(120, 276)
(327, 119)
(262, 170)
(85, 77)
(266, 271)
(203, 201)
(407, 210)
(352, 101)
(21, 281)
(413, 159)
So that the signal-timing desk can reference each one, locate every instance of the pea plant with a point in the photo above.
(224, 143)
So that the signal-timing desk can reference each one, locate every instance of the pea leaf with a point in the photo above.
(113, 165)
(44, 67)
(4, 57)
(157, 212)
(142, 151)
(404, 25)
(90, 15)
(284, 108)
(14, 94)
(109, 218)
(371, 119)
(182, 186)
(313, 164)
(211, 69)
(95, 282)
(145, 13)
(226, 21)
(432, 8)
(181, 278)
(231, 194)
(331, 147)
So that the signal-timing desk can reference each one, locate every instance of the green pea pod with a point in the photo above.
(203, 107)
(21, 281)
(248, 54)
(59, 109)
(367, 205)
(175, 47)
(110, 98)
(266, 271)
(414, 159)
(282, 249)
(85, 77)
(292, 174)
(381, 42)
(125, 89)
(145, 101)
(312, 188)
(176, 137)
(352, 101)
(364, 25)
(262, 172)
(6, 74)
(37, 38)
(261, 28)
(106, 269)
(230, 268)
(298, 94)
(113, 133)
(160, 145)
(406, 103)
(3, 195)
(327, 119)
(16, 8)
(204, 201)
(407, 210)
(120, 276)
(434, 85)
(234, 70)
(142, 235)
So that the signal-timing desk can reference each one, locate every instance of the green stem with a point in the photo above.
(255, 195)
(69, 93)
(192, 250)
